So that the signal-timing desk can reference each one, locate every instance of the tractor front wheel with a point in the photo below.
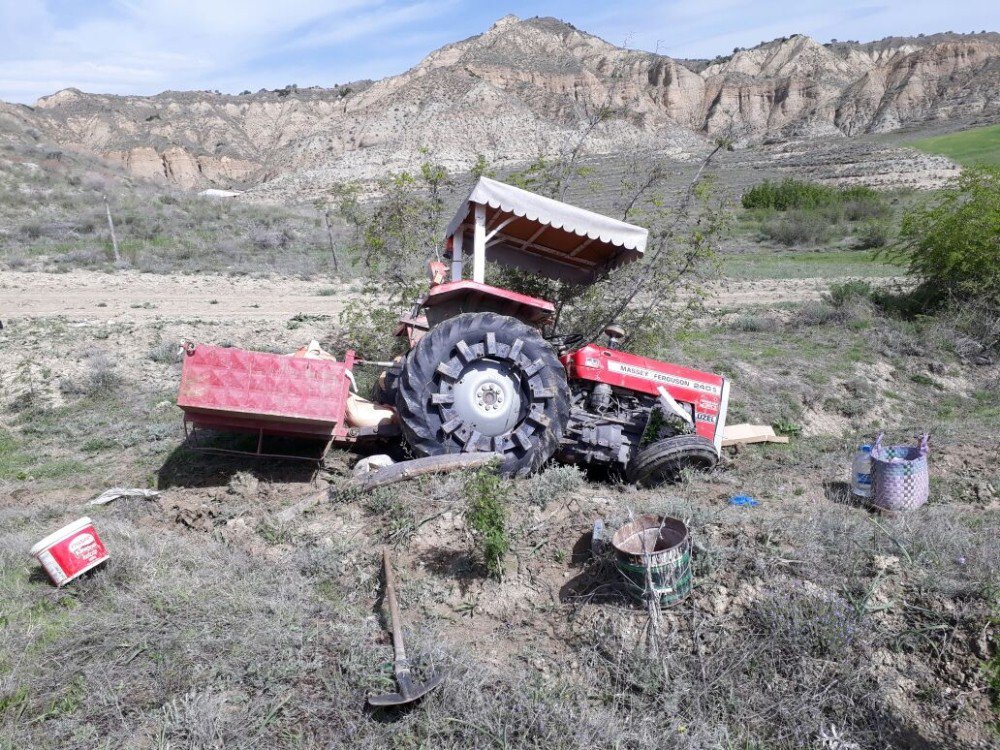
(484, 382)
(664, 460)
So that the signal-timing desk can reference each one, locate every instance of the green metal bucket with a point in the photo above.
(661, 546)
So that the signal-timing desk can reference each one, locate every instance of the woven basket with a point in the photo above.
(899, 476)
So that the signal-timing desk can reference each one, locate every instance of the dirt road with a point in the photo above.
(93, 295)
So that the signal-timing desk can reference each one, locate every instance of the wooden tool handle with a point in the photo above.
(397, 625)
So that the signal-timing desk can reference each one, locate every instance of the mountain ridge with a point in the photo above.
(525, 88)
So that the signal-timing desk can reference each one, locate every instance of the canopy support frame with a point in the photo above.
(479, 245)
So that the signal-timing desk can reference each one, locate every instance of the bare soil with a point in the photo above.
(889, 652)
(93, 295)
(131, 295)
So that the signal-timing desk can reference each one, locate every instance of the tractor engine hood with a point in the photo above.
(706, 392)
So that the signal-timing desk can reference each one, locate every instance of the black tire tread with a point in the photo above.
(421, 423)
(663, 460)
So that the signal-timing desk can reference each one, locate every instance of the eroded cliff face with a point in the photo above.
(526, 88)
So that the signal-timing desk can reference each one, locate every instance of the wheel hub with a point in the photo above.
(487, 397)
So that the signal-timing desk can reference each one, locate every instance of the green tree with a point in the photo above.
(952, 244)
(391, 238)
(643, 296)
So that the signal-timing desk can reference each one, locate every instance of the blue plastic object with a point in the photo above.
(745, 500)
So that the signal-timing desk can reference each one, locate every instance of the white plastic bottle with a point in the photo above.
(861, 473)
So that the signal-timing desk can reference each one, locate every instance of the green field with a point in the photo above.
(826, 264)
(978, 146)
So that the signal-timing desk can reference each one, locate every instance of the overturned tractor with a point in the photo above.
(480, 373)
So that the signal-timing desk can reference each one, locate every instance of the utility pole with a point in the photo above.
(111, 226)
(333, 247)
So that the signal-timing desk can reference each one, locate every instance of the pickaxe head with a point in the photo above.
(409, 690)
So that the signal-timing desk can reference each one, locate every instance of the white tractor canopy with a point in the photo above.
(518, 228)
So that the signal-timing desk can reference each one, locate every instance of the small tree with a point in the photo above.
(643, 296)
(487, 517)
(952, 245)
(394, 237)
(391, 238)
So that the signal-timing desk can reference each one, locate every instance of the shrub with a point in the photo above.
(872, 235)
(805, 624)
(82, 257)
(164, 352)
(366, 325)
(750, 323)
(808, 210)
(32, 230)
(816, 314)
(787, 194)
(270, 239)
(486, 492)
(102, 380)
(865, 208)
(840, 295)
(555, 483)
(797, 228)
(952, 246)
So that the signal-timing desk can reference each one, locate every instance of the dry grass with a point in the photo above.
(220, 622)
(52, 217)
(245, 637)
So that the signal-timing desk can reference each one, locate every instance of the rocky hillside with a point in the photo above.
(525, 88)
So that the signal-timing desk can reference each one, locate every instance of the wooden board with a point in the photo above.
(743, 434)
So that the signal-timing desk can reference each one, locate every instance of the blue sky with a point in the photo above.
(147, 46)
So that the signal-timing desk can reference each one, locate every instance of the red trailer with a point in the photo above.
(226, 389)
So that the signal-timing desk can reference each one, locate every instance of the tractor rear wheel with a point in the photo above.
(484, 382)
(664, 460)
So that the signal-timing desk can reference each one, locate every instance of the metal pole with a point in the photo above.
(479, 245)
(456, 253)
(111, 226)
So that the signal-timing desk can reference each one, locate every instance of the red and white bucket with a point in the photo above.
(71, 551)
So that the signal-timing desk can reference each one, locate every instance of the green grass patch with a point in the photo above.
(17, 464)
(825, 264)
(986, 405)
(792, 194)
(921, 379)
(976, 146)
(13, 463)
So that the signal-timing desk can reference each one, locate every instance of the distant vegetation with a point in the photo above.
(952, 245)
(790, 194)
(949, 245)
(797, 212)
(53, 217)
(969, 147)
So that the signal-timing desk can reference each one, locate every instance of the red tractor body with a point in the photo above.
(706, 393)
(480, 374)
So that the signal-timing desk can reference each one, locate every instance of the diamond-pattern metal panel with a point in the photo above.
(269, 387)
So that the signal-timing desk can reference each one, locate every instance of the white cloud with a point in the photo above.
(707, 28)
(146, 46)
(370, 23)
